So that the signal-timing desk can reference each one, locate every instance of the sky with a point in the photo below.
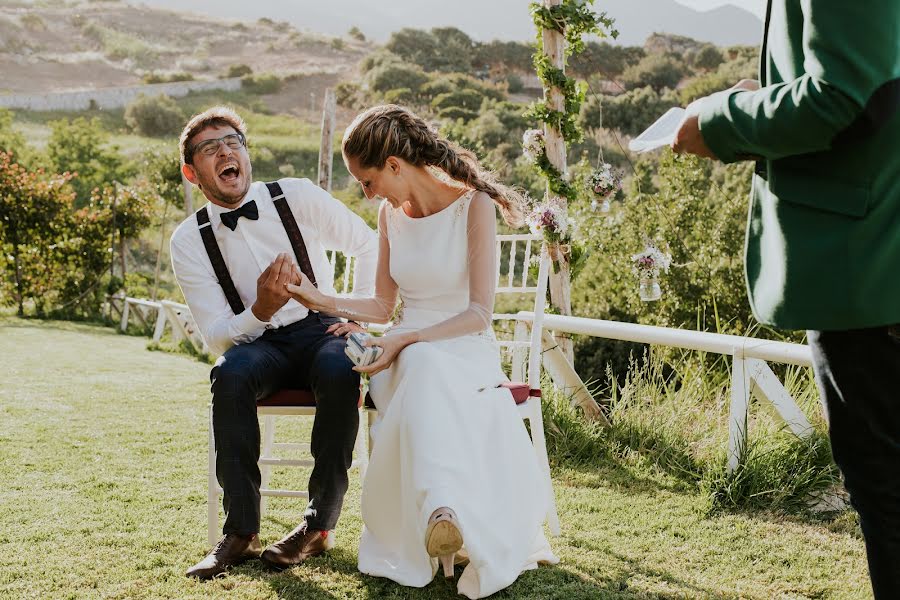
(491, 19)
(757, 7)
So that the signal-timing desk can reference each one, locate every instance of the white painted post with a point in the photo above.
(766, 385)
(123, 325)
(326, 150)
(160, 324)
(188, 196)
(739, 411)
(560, 283)
(566, 378)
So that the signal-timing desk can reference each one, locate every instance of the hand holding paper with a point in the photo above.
(661, 133)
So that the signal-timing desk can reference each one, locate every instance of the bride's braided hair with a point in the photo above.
(391, 130)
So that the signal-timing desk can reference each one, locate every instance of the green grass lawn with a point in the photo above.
(103, 495)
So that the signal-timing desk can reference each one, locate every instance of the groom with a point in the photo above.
(232, 259)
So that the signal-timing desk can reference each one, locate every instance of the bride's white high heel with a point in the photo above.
(443, 538)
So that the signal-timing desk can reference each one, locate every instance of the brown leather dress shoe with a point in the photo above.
(231, 550)
(297, 546)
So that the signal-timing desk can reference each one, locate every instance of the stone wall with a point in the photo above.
(112, 97)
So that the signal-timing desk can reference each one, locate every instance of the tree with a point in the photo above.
(14, 142)
(391, 76)
(708, 57)
(80, 147)
(154, 116)
(659, 71)
(33, 211)
(605, 59)
(446, 49)
(162, 171)
(630, 113)
(356, 34)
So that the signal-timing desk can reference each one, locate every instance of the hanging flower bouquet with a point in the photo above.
(533, 144)
(603, 182)
(549, 219)
(647, 265)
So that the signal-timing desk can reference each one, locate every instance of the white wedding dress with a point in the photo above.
(446, 435)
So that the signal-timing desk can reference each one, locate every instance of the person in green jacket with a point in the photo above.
(823, 234)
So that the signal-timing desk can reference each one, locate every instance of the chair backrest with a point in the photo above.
(342, 267)
(516, 255)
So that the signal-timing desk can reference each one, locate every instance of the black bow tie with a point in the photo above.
(249, 210)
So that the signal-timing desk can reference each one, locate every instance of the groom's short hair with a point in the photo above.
(217, 115)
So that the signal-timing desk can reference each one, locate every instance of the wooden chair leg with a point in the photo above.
(265, 470)
(359, 448)
(371, 416)
(212, 499)
(540, 448)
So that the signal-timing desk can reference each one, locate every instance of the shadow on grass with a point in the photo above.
(89, 327)
(546, 582)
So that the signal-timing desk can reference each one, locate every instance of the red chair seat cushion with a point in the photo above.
(520, 391)
(292, 398)
(520, 394)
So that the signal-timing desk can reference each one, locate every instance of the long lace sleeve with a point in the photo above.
(481, 232)
(377, 309)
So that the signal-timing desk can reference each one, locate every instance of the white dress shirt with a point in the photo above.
(324, 222)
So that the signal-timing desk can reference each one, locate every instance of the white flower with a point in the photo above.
(549, 219)
(604, 181)
(649, 263)
(533, 144)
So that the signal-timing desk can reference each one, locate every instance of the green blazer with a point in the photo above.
(823, 234)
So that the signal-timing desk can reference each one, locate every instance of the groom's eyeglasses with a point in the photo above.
(210, 147)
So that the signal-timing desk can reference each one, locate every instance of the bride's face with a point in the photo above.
(379, 183)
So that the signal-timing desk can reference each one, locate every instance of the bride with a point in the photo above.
(452, 473)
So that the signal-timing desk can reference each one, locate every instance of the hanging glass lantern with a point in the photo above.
(603, 183)
(648, 265)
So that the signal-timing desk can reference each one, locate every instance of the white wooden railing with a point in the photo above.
(750, 372)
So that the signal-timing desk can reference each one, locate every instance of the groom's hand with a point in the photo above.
(271, 294)
(344, 329)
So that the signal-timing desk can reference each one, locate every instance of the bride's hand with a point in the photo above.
(391, 345)
(305, 292)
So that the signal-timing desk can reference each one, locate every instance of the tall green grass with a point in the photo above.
(671, 416)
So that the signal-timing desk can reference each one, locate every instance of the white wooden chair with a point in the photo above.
(287, 402)
(514, 256)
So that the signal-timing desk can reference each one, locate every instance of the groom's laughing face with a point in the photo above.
(220, 164)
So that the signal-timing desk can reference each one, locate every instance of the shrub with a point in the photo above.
(514, 83)
(239, 70)
(170, 78)
(453, 113)
(347, 94)
(265, 83)
(391, 76)
(154, 116)
(467, 99)
(338, 44)
(399, 96)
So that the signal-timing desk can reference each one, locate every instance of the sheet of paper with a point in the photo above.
(661, 133)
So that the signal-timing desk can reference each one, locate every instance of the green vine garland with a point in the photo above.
(574, 19)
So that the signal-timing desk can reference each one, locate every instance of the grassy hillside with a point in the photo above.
(80, 45)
